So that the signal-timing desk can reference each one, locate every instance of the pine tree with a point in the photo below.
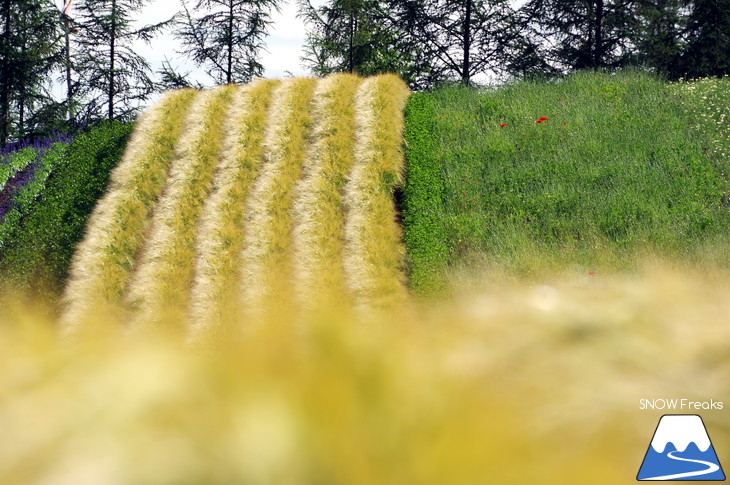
(228, 38)
(708, 33)
(112, 78)
(29, 52)
(580, 34)
(356, 36)
(425, 41)
(662, 35)
(463, 38)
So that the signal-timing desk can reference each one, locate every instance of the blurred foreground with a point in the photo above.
(506, 382)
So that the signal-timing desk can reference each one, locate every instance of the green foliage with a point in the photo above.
(112, 77)
(15, 162)
(577, 34)
(618, 169)
(660, 38)
(24, 200)
(423, 194)
(356, 36)
(708, 35)
(39, 252)
(30, 51)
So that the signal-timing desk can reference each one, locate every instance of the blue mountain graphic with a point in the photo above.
(662, 464)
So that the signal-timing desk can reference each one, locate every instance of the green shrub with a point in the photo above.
(39, 252)
(423, 194)
(23, 201)
(15, 162)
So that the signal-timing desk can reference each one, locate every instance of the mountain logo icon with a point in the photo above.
(681, 450)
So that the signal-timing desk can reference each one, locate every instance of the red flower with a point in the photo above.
(544, 118)
(539, 121)
(565, 123)
(503, 125)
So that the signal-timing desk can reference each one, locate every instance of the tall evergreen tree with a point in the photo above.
(461, 38)
(579, 34)
(425, 41)
(662, 35)
(29, 52)
(228, 38)
(708, 39)
(112, 78)
(357, 36)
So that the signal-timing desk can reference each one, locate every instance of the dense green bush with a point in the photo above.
(39, 252)
(423, 193)
(15, 162)
(26, 196)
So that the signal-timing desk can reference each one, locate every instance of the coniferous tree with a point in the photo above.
(661, 36)
(41, 54)
(29, 52)
(461, 38)
(172, 78)
(8, 68)
(707, 52)
(357, 36)
(425, 41)
(228, 38)
(112, 78)
(580, 34)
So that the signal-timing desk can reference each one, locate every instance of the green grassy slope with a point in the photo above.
(620, 166)
(623, 165)
(39, 250)
(23, 199)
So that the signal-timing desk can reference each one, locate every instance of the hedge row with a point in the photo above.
(423, 193)
(13, 163)
(38, 253)
(27, 191)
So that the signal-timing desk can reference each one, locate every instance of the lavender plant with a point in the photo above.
(26, 187)
(24, 168)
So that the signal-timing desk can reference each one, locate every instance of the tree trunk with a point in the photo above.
(22, 93)
(598, 47)
(466, 66)
(69, 94)
(229, 70)
(112, 56)
(351, 54)
(5, 76)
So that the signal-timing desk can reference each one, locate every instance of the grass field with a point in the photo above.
(592, 172)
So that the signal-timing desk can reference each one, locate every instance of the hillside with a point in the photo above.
(589, 173)
(238, 201)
